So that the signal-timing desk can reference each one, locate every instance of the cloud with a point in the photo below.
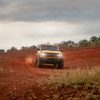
(28, 33)
(28, 22)
(44, 10)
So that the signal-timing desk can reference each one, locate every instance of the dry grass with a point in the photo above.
(73, 84)
(76, 77)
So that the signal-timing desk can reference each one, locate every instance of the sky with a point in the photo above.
(32, 22)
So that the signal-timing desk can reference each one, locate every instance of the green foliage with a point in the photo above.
(12, 49)
(95, 41)
(67, 43)
(84, 43)
(92, 42)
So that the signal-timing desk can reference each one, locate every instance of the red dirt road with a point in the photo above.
(18, 72)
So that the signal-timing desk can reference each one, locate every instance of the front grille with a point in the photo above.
(51, 54)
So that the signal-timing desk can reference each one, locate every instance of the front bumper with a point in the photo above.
(51, 60)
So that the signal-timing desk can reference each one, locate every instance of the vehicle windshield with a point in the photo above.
(49, 47)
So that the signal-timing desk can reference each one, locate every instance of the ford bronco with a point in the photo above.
(49, 54)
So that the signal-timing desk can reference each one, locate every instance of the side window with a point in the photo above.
(38, 48)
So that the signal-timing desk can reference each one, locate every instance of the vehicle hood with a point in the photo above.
(49, 51)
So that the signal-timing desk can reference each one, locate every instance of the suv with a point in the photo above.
(49, 54)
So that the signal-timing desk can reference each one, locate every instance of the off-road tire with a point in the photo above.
(38, 63)
(55, 65)
(60, 65)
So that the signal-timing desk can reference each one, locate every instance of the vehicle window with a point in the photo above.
(38, 48)
(49, 47)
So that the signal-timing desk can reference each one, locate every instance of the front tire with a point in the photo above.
(60, 65)
(55, 65)
(38, 63)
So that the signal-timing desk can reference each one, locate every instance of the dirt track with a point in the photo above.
(18, 72)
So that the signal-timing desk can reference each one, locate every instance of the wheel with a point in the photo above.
(38, 63)
(55, 65)
(60, 65)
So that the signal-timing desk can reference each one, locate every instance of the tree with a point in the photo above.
(99, 38)
(70, 43)
(94, 41)
(13, 49)
(32, 47)
(2, 51)
(67, 44)
(84, 43)
(98, 41)
(24, 48)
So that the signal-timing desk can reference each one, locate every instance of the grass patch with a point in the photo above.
(73, 84)
(76, 77)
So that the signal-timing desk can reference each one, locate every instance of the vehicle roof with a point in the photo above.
(48, 45)
(39, 46)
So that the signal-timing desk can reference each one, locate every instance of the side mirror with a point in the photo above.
(61, 50)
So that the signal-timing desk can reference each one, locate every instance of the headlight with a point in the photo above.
(60, 55)
(42, 54)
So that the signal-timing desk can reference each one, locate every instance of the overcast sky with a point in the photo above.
(28, 22)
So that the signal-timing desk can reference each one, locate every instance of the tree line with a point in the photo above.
(92, 42)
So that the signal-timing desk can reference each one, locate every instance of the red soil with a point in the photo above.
(18, 72)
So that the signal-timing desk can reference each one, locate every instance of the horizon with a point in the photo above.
(45, 43)
(27, 23)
